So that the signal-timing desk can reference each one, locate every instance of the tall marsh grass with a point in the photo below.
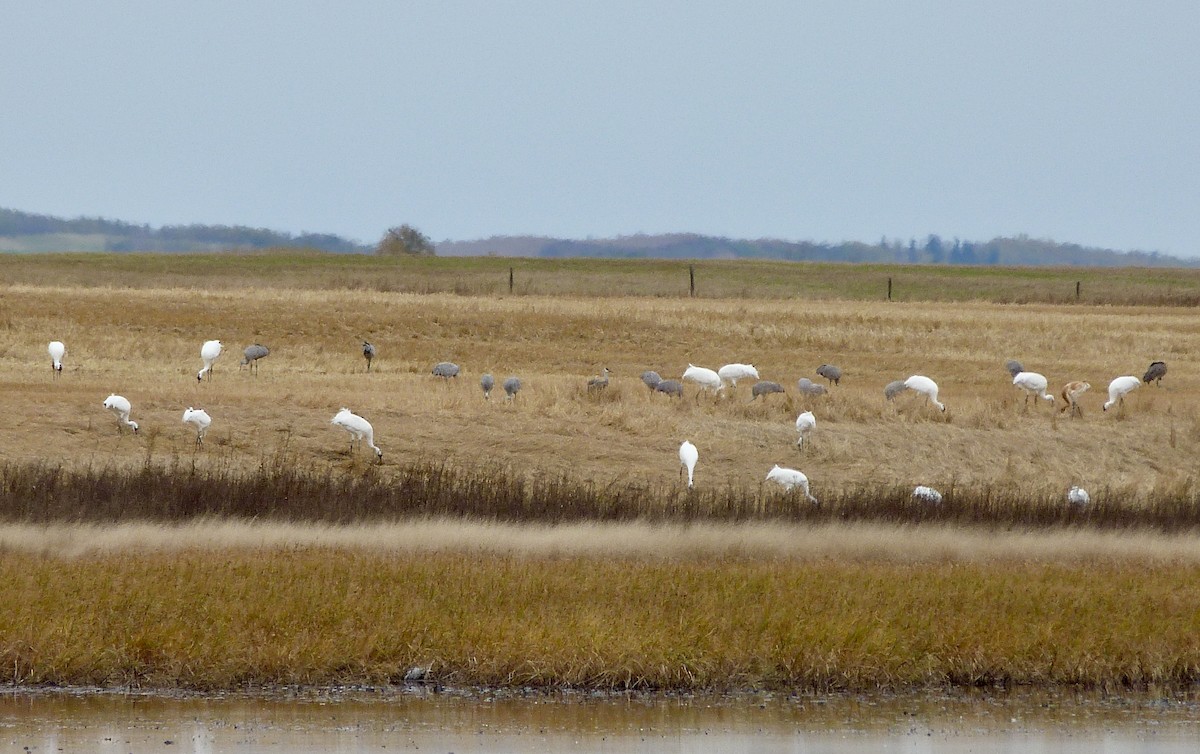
(280, 491)
(317, 617)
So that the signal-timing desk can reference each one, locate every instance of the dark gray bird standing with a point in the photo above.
(445, 369)
(252, 354)
(511, 386)
(598, 383)
(765, 387)
(368, 353)
(651, 379)
(894, 388)
(1014, 367)
(670, 387)
(830, 372)
(1155, 373)
(487, 383)
(808, 387)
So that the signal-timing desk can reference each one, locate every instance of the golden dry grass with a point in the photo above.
(144, 343)
(321, 616)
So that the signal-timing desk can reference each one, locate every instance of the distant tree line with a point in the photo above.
(123, 236)
(1018, 251)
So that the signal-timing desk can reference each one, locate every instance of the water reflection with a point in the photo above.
(394, 720)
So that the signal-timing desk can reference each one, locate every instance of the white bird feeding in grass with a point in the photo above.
(209, 352)
(805, 423)
(359, 428)
(1078, 496)
(926, 387)
(57, 352)
(1034, 386)
(707, 379)
(120, 407)
(789, 479)
(1119, 388)
(688, 455)
(199, 419)
(734, 372)
(927, 494)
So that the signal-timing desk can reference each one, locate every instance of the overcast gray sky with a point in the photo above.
(831, 121)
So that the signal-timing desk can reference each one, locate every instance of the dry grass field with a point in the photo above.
(703, 604)
(144, 343)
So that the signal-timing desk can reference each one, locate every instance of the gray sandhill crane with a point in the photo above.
(511, 387)
(445, 369)
(765, 388)
(1157, 370)
(252, 354)
(894, 388)
(831, 373)
(486, 383)
(808, 387)
(650, 379)
(368, 354)
(1014, 367)
(670, 387)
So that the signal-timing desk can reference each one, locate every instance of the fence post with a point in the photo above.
(510, 279)
(692, 280)
(1077, 290)
(889, 289)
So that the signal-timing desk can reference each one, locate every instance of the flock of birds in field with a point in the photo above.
(1034, 386)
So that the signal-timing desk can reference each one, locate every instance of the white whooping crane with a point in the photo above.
(1078, 496)
(1034, 386)
(688, 455)
(790, 479)
(199, 419)
(1119, 388)
(735, 372)
(359, 428)
(57, 352)
(928, 494)
(707, 379)
(209, 352)
(120, 407)
(926, 387)
(805, 423)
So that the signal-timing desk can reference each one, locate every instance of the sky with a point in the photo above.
(815, 121)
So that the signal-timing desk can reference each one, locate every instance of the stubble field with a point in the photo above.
(139, 334)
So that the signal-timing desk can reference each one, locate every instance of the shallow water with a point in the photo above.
(90, 720)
